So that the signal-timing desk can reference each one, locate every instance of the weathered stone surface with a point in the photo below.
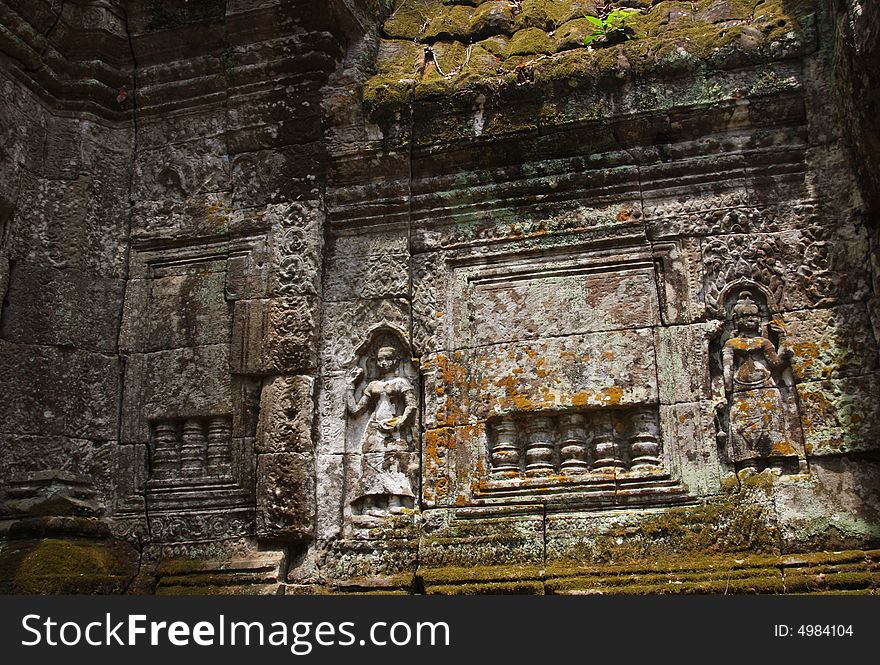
(175, 383)
(442, 298)
(286, 414)
(177, 171)
(454, 459)
(830, 343)
(286, 496)
(27, 456)
(62, 307)
(90, 239)
(187, 310)
(519, 303)
(201, 215)
(274, 335)
(846, 511)
(609, 369)
(203, 528)
(54, 391)
(514, 538)
(387, 564)
(330, 495)
(740, 521)
(839, 415)
(371, 276)
(690, 446)
(683, 362)
(130, 472)
(801, 269)
(245, 572)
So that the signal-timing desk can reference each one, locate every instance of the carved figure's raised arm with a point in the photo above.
(356, 406)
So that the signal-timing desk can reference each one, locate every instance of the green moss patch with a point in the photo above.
(541, 41)
(56, 566)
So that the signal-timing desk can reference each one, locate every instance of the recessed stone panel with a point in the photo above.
(605, 369)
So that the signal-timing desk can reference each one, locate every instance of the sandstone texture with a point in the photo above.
(439, 296)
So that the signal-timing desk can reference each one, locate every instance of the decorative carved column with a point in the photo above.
(606, 449)
(166, 451)
(219, 447)
(505, 452)
(539, 449)
(193, 449)
(644, 438)
(573, 447)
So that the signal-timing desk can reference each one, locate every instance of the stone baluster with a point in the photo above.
(193, 450)
(219, 447)
(539, 448)
(505, 452)
(573, 446)
(606, 448)
(166, 451)
(644, 440)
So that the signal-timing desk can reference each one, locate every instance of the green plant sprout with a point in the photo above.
(611, 28)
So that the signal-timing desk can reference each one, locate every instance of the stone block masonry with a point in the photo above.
(423, 296)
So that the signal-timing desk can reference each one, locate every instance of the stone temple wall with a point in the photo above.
(430, 296)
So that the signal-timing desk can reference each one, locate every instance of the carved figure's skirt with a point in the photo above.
(758, 425)
(385, 474)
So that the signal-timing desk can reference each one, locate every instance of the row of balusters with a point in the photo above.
(191, 448)
(575, 443)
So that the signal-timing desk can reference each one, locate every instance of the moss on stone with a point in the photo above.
(57, 566)
(548, 15)
(496, 45)
(464, 23)
(449, 23)
(672, 38)
(496, 588)
(767, 581)
(529, 41)
(450, 574)
(409, 18)
(221, 590)
(398, 58)
(572, 34)
(799, 583)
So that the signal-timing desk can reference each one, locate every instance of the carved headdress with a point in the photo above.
(745, 306)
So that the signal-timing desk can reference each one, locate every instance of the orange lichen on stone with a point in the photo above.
(451, 389)
(612, 396)
(435, 438)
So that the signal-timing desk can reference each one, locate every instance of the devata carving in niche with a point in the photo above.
(385, 485)
(761, 413)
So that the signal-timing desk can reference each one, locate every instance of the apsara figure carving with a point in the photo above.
(385, 485)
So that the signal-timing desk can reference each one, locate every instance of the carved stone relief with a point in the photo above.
(187, 391)
(543, 383)
(192, 448)
(381, 429)
(573, 444)
(758, 420)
